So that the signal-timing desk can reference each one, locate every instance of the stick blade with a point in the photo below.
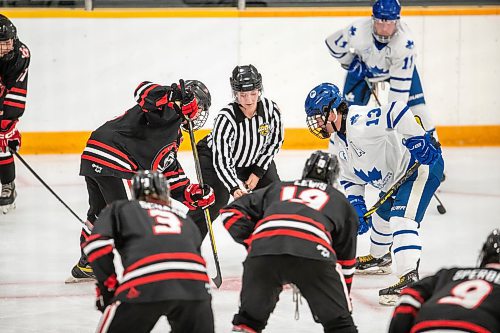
(217, 280)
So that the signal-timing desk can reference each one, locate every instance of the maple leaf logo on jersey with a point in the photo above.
(410, 44)
(372, 175)
(165, 157)
(352, 30)
(375, 71)
(354, 119)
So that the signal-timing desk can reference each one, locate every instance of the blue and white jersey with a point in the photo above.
(372, 151)
(394, 61)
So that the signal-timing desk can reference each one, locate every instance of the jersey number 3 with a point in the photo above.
(313, 198)
(165, 222)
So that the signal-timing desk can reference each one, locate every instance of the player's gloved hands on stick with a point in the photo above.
(188, 102)
(358, 202)
(358, 69)
(423, 148)
(10, 138)
(199, 197)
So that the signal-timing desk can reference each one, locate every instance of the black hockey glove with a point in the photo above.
(103, 297)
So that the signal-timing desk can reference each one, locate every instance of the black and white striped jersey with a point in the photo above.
(240, 142)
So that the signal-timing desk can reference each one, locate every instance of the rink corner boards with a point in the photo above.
(295, 139)
(249, 12)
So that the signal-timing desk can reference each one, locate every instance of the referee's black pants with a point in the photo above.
(222, 194)
(319, 282)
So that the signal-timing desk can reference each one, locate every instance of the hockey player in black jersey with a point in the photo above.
(301, 232)
(146, 137)
(455, 299)
(14, 63)
(164, 272)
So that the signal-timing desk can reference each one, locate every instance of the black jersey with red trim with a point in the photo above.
(14, 82)
(137, 140)
(159, 249)
(452, 300)
(304, 218)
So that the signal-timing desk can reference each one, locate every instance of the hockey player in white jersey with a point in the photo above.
(380, 48)
(377, 146)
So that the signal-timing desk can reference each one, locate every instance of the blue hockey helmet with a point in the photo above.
(320, 102)
(387, 10)
(322, 98)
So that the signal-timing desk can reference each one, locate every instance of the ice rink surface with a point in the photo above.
(39, 245)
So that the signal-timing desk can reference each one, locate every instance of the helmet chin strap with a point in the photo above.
(342, 124)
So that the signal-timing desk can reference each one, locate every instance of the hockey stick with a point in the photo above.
(440, 206)
(372, 91)
(218, 278)
(393, 189)
(50, 189)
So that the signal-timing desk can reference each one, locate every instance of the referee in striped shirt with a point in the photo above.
(238, 154)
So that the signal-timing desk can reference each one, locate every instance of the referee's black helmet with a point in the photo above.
(246, 78)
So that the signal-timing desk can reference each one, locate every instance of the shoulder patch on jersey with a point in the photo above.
(352, 30)
(354, 119)
(410, 44)
(264, 129)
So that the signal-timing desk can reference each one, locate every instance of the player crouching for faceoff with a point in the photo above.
(376, 146)
(301, 232)
(164, 272)
(145, 137)
(455, 299)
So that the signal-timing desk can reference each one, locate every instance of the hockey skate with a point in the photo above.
(376, 266)
(81, 272)
(8, 197)
(389, 296)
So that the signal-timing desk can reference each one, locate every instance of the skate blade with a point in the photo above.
(388, 300)
(374, 271)
(7, 208)
(73, 279)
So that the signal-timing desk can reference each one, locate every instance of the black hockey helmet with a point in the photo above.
(246, 78)
(204, 99)
(149, 184)
(7, 29)
(490, 253)
(321, 166)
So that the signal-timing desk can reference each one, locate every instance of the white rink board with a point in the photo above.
(84, 70)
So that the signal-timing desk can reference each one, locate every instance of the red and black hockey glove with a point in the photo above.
(103, 298)
(198, 197)
(186, 98)
(9, 136)
(105, 292)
